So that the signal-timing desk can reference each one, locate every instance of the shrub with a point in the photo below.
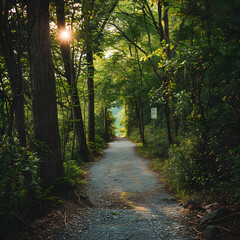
(135, 136)
(235, 179)
(18, 178)
(156, 146)
(225, 186)
(73, 173)
(180, 167)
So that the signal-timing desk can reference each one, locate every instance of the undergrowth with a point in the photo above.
(193, 165)
(22, 197)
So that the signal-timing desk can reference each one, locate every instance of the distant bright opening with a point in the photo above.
(118, 113)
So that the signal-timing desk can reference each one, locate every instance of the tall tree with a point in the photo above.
(44, 93)
(91, 112)
(96, 16)
(13, 64)
(168, 56)
(147, 16)
(82, 147)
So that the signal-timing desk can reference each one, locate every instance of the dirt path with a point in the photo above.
(131, 203)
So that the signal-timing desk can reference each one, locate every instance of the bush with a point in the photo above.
(194, 165)
(18, 179)
(160, 148)
(156, 146)
(235, 178)
(100, 143)
(186, 167)
(135, 136)
(74, 175)
(105, 134)
(225, 186)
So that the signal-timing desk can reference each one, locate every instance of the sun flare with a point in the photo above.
(65, 35)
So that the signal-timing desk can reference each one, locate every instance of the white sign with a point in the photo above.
(153, 113)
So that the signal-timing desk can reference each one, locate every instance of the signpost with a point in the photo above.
(153, 113)
(154, 116)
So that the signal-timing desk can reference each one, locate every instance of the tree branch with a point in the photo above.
(107, 18)
(138, 47)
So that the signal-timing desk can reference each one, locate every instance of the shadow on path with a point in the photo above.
(131, 203)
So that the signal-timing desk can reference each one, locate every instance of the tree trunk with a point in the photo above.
(91, 114)
(142, 121)
(175, 123)
(201, 109)
(166, 31)
(168, 55)
(14, 68)
(163, 34)
(79, 128)
(15, 76)
(167, 115)
(105, 123)
(139, 114)
(140, 99)
(44, 93)
(160, 21)
(208, 20)
(70, 76)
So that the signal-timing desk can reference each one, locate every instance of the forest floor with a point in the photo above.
(129, 202)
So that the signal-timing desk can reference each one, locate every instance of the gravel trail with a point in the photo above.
(131, 203)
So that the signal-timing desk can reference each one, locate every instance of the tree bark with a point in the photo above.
(138, 109)
(168, 55)
(91, 114)
(44, 93)
(142, 132)
(15, 75)
(105, 122)
(82, 147)
(175, 123)
(167, 115)
(208, 20)
(14, 69)
(142, 123)
(166, 31)
(160, 21)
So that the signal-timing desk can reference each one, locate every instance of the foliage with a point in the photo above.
(190, 167)
(190, 73)
(18, 178)
(233, 159)
(180, 166)
(199, 82)
(104, 133)
(74, 174)
(156, 145)
(16, 161)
